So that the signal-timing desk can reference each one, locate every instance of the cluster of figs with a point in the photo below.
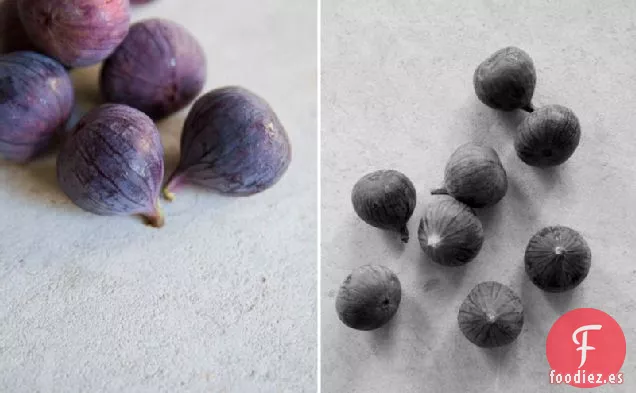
(557, 258)
(111, 161)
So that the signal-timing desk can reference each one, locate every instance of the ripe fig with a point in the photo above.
(36, 99)
(506, 80)
(548, 136)
(385, 199)
(13, 38)
(159, 69)
(557, 259)
(112, 164)
(78, 33)
(491, 316)
(450, 233)
(474, 175)
(369, 297)
(233, 143)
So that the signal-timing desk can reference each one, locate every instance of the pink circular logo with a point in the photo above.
(586, 348)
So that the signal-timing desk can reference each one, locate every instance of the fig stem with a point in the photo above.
(156, 219)
(404, 234)
(528, 108)
(168, 195)
(439, 191)
(172, 185)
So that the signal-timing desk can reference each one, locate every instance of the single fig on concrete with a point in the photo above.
(112, 164)
(232, 143)
(506, 80)
(369, 297)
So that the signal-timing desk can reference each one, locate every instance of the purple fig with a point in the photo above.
(12, 35)
(112, 164)
(36, 99)
(233, 143)
(78, 33)
(136, 2)
(160, 68)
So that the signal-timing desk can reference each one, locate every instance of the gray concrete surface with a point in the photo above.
(222, 299)
(397, 93)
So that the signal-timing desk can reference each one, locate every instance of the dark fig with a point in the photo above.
(557, 259)
(491, 316)
(232, 143)
(548, 136)
(13, 38)
(506, 80)
(369, 297)
(159, 69)
(112, 164)
(450, 233)
(78, 33)
(36, 99)
(385, 199)
(474, 175)
(136, 2)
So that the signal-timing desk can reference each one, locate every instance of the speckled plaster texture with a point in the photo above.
(222, 299)
(397, 93)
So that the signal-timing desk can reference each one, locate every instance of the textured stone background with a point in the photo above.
(397, 93)
(222, 299)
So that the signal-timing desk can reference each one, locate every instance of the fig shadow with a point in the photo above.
(486, 123)
(515, 192)
(510, 120)
(523, 205)
(560, 302)
(37, 181)
(393, 242)
(549, 177)
(517, 206)
(489, 216)
(356, 235)
(449, 276)
(383, 338)
(482, 124)
(530, 298)
(170, 130)
(411, 314)
(86, 84)
(497, 358)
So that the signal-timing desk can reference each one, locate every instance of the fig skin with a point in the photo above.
(491, 315)
(385, 199)
(548, 136)
(232, 143)
(138, 2)
(474, 175)
(369, 297)
(13, 38)
(159, 68)
(506, 80)
(557, 259)
(78, 33)
(450, 233)
(36, 100)
(112, 164)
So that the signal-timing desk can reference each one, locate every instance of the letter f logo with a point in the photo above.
(583, 344)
